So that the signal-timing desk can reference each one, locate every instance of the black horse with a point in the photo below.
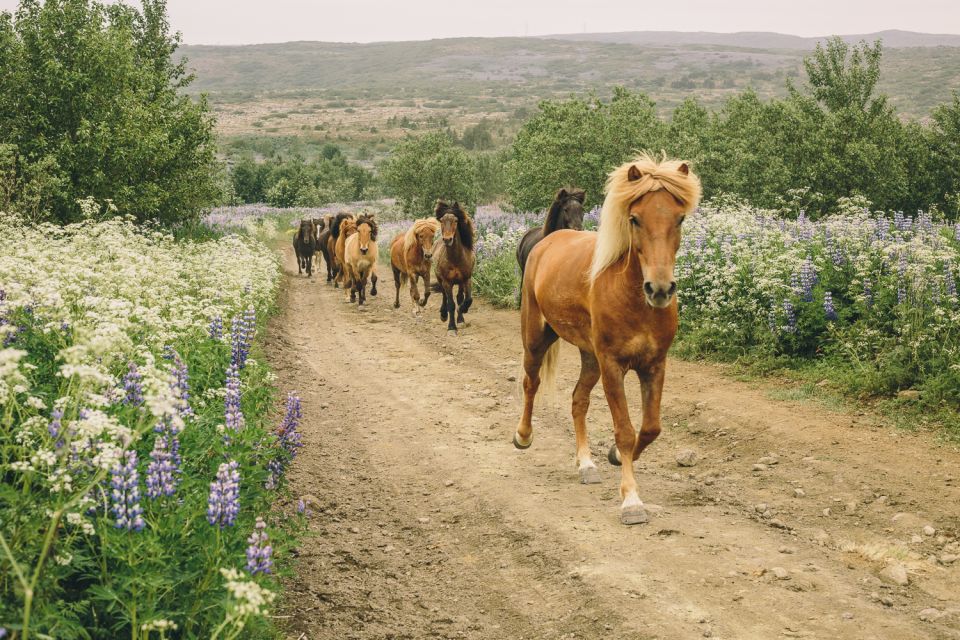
(305, 244)
(566, 212)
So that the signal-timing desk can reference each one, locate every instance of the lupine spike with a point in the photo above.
(223, 504)
(125, 493)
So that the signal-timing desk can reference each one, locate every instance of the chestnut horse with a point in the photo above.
(453, 261)
(304, 245)
(343, 225)
(323, 235)
(566, 212)
(410, 255)
(360, 259)
(612, 295)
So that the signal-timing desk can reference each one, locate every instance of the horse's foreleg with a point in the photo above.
(361, 289)
(451, 313)
(589, 375)
(414, 295)
(651, 387)
(631, 510)
(443, 302)
(373, 281)
(426, 288)
(309, 261)
(468, 298)
(299, 265)
(396, 283)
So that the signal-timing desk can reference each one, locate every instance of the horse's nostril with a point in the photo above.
(648, 288)
(673, 288)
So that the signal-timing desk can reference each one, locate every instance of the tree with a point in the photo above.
(422, 169)
(945, 154)
(91, 100)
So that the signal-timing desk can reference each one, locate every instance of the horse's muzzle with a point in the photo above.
(448, 241)
(427, 256)
(659, 294)
(364, 250)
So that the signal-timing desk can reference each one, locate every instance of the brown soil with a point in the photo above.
(428, 523)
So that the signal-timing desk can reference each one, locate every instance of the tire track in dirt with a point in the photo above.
(428, 523)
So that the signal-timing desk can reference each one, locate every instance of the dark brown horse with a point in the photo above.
(332, 245)
(305, 244)
(612, 295)
(318, 225)
(566, 212)
(322, 244)
(453, 261)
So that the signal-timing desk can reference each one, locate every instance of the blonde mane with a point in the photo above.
(411, 236)
(613, 237)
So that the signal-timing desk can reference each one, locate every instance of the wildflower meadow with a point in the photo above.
(138, 458)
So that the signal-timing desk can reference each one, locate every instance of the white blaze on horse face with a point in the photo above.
(655, 227)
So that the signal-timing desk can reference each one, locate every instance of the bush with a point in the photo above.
(422, 169)
(91, 106)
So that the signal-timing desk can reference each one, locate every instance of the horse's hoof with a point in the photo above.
(613, 456)
(634, 514)
(373, 292)
(518, 442)
(452, 333)
(589, 475)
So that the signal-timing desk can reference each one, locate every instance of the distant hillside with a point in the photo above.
(668, 66)
(760, 39)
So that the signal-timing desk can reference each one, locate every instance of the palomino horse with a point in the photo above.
(611, 294)
(343, 227)
(322, 242)
(360, 259)
(453, 261)
(304, 245)
(566, 212)
(410, 255)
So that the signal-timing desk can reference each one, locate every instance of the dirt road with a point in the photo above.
(795, 521)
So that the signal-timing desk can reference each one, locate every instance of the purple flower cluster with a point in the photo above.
(164, 468)
(949, 281)
(259, 550)
(56, 423)
(132, 386)
(287, 433)
(125, 493)
(242, 329)
(181, 386)
(233, 415)
(216, 328)
(828, 309)
(790, 316)
(901, 279)
(956, 232)
(806, 279)
(223, 505)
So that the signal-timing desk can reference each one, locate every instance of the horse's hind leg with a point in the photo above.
(415, 295)
(589, 375)
(397, 284)
(537, 340)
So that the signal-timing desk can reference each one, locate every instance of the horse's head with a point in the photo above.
(366, 232)
(348, 227)
(424, 237)
(453, 221)
(655, 221)
(306, 228)
(572, 211)
(318, 224)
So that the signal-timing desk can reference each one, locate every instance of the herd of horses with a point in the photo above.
(610, 293)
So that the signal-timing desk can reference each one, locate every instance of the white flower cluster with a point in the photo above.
(248, 597)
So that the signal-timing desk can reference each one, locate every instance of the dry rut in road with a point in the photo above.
(793, 521)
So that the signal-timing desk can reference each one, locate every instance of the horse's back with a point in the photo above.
(529, 240)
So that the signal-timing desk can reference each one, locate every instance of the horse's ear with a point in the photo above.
(439, 208)
(456, 206)
(633, 173)
(579, 195)
(561, 195)
(684, 169)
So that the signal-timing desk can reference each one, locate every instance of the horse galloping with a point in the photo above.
(410, 258)
(304, 245)
(343, 222)
(323, 245)
(612, 295)
(566, 212)
(360, 259)
(454, 260)
(318, 224)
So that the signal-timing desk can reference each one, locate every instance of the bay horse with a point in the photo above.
(410, 258)
(304, 245)
(318, 226)
(566, 212)
(612, 295)
(323, 245)
(360, 259)
(454, 260)
(335, 246)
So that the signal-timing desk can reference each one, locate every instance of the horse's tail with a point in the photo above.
(548, 370)
(435, 287)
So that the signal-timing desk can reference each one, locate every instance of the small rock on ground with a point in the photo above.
(687, 458)
(896, 573)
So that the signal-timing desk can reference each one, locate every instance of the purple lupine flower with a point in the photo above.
(275, 467)
(181, 386)
(868, 291)
(806, 279)
(56, 423)
(125, 493)
(790, 316)
(901, 279)
(956, 232)
(287, 433)
(231, 401)
(223, 505)
(828, 309)
(301, 506)
(216, 328)
(838, 257)
(162, 472)
(948, 280)
(259, 549)
(132, 387)
(241, 332)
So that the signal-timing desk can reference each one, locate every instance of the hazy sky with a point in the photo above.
(252, 21)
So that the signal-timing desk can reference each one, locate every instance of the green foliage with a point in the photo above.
(422, 169)
(296, 183)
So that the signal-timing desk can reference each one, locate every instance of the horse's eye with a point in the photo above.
(634, 221)
(680, 222)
